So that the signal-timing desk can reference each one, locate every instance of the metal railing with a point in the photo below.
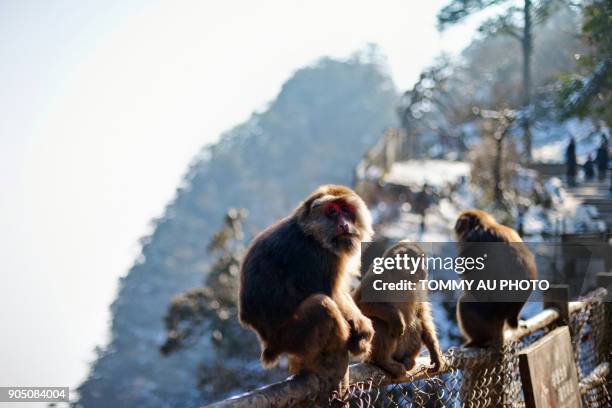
(468, 377)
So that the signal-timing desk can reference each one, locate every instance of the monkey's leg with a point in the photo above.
(316, 326)
(409, 361)
(388, 313)
(479, 325)
(408, 347)
(383, 347)
(429, 336)
(361, 327)
(316, 340)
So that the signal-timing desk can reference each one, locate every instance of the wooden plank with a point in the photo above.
(557, 296)
(290, 392)
(548, 372)
(604, 280)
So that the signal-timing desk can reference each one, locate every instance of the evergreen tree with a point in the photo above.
(212, 310)
(588, 92)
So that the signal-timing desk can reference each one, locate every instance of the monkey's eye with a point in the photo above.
(348, 210)
(331, 210)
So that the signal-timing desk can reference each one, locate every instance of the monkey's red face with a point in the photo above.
(338, 222)
(342, 215)
(339, 225)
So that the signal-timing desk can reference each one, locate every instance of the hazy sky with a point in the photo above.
(104, 103)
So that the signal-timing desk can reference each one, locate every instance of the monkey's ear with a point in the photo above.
(303, 211)
(320, 200)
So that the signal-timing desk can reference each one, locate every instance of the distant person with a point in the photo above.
(589, 168)
(521, 223)
(422, 202)
(602, 159)
(570, 162)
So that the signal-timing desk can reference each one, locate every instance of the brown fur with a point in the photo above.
(482, 323)
(401, 328)
(294, 285)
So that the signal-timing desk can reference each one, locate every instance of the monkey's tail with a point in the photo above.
(269, 357)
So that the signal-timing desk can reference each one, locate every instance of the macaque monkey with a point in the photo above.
(483, 317)
(400, 328)
(294, 283)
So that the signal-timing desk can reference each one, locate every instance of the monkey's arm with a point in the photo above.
(362, 330)
(347, 306)
(388, 313)
(429, 337)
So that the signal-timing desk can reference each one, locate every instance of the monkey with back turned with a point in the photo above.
(400, 328)
(294, 283)
(482, 319)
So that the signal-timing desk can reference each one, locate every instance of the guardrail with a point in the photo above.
(475, 377)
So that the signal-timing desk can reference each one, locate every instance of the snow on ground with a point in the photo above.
(550, 139)
(437, 173)
(440, 219)
(566, 214)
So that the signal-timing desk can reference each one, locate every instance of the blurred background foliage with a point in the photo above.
(586, 91)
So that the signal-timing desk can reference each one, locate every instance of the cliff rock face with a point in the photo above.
(314, 132)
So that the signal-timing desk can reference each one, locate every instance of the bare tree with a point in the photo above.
(532, 13)
(500, 123)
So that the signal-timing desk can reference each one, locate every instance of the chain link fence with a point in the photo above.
(490, 378)
(468, 377)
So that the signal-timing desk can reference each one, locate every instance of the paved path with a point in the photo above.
(595, 194)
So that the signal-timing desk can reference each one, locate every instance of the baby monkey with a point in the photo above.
(400, 328)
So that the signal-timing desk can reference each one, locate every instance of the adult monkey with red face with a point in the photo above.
(294, 284)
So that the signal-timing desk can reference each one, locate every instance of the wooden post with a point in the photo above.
(604, 280)
(548, 372)
(290, 392)
(557, 297)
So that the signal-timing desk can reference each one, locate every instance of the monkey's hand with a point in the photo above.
(362, 332)
(436, 362)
